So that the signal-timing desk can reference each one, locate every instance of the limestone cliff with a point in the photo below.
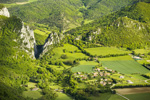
(4, 11)
(28, 40)
(25, 39)
(52, 40)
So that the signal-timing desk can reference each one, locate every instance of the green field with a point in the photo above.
(116, 97)
(32, 94)
(127, 57)
(85, 66)
(40, 32)
(70, 52)
(141, 96)
(62, 96)
(125, 66)
(102, 96)
(141, 51)
(105, 51)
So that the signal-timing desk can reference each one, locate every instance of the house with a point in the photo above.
(97, 69)
(136, 58)
(104, 83)
(109, 82)
(129, 81)
(81, 75)
(105, 79)
(95, 74)
(101, 73)
(101, 82)
(78, 73)
(84, 78)
(35, 89)
(108, 74)
(121, 77)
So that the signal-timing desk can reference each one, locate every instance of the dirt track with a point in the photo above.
(133, 90)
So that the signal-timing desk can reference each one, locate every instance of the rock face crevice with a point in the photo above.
(52, 40)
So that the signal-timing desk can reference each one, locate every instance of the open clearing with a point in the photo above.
(125, 66)
(141, 51)
(62, 96)
(105, 51)
(141, 96)
(126, 91)
(32, 94)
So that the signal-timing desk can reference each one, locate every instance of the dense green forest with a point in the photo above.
(127, 28)
(67, 14)
(12, 1)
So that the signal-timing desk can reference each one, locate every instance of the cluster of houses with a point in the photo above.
(105, 82)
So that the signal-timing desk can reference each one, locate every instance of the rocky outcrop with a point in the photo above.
(28, 42)
(52, 40)
(26, 36)
(4, 11)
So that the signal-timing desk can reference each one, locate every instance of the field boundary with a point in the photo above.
(123, 96)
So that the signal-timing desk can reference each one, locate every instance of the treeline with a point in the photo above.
(84, 94)
(131, 85)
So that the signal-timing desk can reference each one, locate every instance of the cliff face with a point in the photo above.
(4, 11)
(28, 40)
(25, 35)
(52, 40)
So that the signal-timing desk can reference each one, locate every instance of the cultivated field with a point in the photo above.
(105, 51)
(85, 66)
(139, 96)
(127, 57)
(127, 91)
(125, 66)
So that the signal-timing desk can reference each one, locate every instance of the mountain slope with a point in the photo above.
(66, 14)
(127, 28)
(12, 1)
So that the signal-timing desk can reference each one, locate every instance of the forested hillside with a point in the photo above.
(127, 28)
(12, 1)
(63, 15)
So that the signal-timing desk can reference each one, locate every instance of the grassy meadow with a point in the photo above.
(105, 51)
(85, 66)
(141, 51)
(62, 96)
(32, 94)
(70, 52)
